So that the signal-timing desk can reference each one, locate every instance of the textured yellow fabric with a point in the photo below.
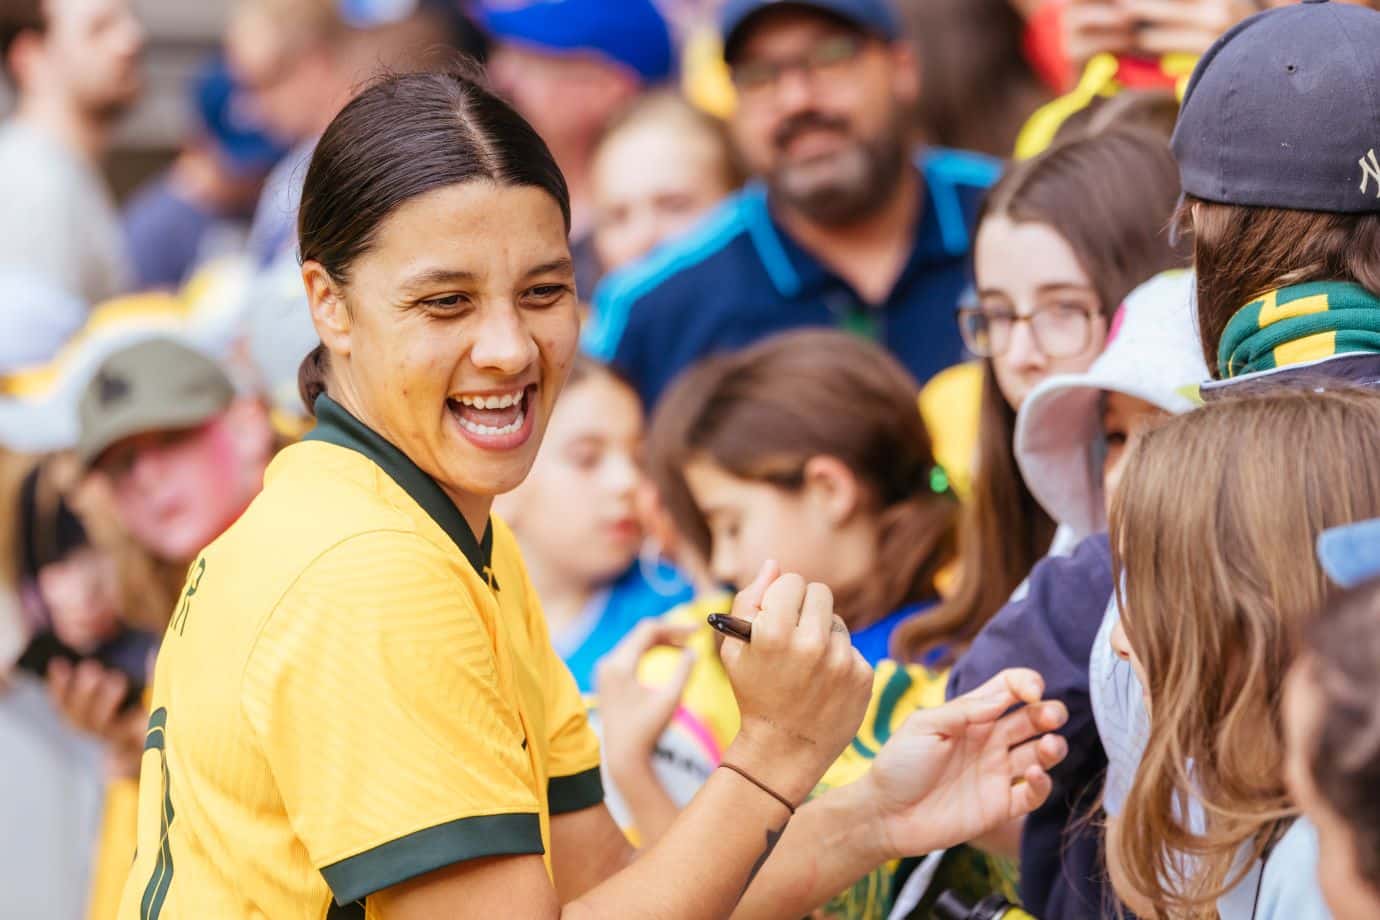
(342, 697)
(950, 404)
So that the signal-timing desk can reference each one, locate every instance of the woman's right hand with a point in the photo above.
(802, 688)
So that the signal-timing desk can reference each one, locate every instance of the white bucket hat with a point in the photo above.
(1152, 354)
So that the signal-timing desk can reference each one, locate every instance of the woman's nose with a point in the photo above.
(503, 342)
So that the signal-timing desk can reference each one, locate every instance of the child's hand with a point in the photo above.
(634, 715)
(956, 772)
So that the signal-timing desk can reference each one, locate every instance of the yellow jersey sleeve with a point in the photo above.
(573, 746)
(373, 689)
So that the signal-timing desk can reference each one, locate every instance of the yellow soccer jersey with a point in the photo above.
(352, 692)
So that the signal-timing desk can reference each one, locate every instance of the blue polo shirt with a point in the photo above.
(738, 277)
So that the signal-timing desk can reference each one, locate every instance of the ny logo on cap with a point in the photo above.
(111, 388)
(1370, 169)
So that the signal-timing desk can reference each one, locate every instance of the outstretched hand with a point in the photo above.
(635, 715)
(957, 771)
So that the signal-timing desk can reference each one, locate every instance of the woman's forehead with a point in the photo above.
(477, 229)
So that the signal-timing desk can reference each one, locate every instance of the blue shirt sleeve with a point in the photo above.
(1050, 629)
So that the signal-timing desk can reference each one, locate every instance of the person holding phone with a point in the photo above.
(357, 711)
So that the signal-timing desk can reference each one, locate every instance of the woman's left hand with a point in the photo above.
(634, 715)
(956, 772)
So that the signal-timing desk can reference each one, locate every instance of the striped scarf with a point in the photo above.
(1299, 324)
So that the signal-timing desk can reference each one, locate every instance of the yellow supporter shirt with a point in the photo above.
(352, 692)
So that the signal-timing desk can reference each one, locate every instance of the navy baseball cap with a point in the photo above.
(876, 16)
(1350, 555)
(1284, 111)
(632, 33)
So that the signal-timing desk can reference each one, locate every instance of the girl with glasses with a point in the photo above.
(1061, 241)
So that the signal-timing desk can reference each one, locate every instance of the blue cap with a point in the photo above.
(1283, 110)
(876, 16)
(629, 32)
(227, 118)
(1350, 555)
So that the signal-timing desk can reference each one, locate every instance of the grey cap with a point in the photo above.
(156, 385)
(1284, 111)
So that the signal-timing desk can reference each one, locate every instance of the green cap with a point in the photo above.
(156, 385)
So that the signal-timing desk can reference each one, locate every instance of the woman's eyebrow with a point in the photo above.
(437, 276)
(562, 265)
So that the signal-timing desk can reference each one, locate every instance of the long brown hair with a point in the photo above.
(762, 413)
(1213, 529)
(1240, 253)
(1111, 197)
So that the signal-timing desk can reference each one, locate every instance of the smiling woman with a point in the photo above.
(360, 712)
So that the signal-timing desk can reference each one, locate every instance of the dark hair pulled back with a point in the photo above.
(764, 412)
(402, 137)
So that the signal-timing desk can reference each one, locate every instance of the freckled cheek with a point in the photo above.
(558, 344)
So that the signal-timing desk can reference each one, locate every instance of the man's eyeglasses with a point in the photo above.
(1060, 330)
(824, 60)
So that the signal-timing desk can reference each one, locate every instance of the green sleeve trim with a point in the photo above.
(434, 848)
(565, 794)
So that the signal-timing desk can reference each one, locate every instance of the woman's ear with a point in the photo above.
(832, 488)
(329, 312)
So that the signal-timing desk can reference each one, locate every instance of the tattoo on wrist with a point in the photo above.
(773, 837)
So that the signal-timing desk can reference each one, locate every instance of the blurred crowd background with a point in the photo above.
(737, 174)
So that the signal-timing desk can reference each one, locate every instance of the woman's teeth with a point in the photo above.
(491, 416)
(489, 430)
(491, 402)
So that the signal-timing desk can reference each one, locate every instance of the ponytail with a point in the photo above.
(312, 375)
(916, 541)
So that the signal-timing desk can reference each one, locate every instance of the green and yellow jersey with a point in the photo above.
(352, 692)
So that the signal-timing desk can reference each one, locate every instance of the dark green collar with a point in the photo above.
(335, 425)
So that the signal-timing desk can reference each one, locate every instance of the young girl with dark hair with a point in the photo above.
(1061, 241)
(807, 449)
(357, 710)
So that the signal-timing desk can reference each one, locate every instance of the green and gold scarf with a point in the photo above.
(1299, 324)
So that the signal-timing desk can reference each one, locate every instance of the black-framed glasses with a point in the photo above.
(1060, 330)
(824, 60)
